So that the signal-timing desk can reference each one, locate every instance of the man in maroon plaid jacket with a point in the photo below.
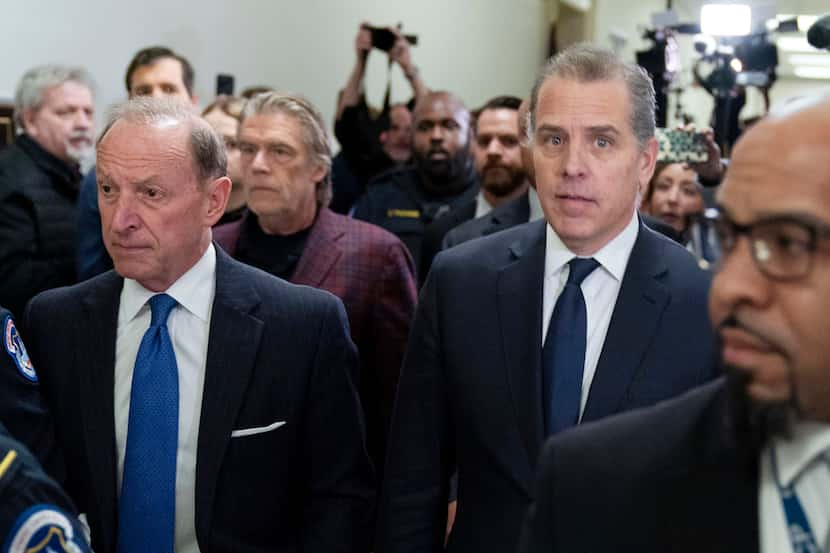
(290, 233)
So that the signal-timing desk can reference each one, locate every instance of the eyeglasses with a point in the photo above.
(783, 247)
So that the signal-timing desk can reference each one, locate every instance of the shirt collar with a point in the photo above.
(536, 212)
(483, 207)
(613, 256)
(809, 441)
(194, 290)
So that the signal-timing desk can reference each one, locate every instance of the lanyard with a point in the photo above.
(798, 527)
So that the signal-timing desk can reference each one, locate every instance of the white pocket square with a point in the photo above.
(242, 432)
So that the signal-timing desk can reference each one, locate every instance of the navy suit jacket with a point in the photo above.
(470, 394)
(276, 352)
(677, 477)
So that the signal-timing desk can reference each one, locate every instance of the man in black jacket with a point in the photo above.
(39, 176)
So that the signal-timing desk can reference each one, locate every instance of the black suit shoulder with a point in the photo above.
(673, 478)
(515, 212)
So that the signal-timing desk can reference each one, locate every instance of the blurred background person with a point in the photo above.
(39, 181)
(372, 141)
(223, 116)
(674, 195)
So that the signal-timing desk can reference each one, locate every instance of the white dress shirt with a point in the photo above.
(804, 459)
(600, 290)
(483, 207)
(188, 325)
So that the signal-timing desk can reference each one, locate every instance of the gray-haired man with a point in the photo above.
(39, 177)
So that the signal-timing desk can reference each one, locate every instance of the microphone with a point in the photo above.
(818, 35)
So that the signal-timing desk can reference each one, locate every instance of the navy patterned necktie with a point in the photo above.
(563, 355)
(147, 506)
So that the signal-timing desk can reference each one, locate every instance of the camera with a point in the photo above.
(384, 39)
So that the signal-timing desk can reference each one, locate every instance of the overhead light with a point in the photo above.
(805, 22)
(804, 59)
(726, 19)
(795, 44)
(811, 72)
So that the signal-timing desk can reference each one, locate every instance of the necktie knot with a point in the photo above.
(160, 307)
(581, 267)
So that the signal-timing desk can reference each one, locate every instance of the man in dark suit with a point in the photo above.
(742, 464)
(198, 402)
(478, 390)
(290, 233)
(502, 175)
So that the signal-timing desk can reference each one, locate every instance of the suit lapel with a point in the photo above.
(520, 316)
(234, 339)
(321, 251)
(96, 378)
(634, 322)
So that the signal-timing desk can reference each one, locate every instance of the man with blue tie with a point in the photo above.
(200, 404)
(524, 333)
(742, 464)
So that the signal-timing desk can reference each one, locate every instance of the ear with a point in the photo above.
(384, 136)
(318, 173)
(647, 162)
(28, 120)
(217, 192)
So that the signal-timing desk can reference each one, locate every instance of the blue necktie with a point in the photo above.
(147, 506)
(563, 356)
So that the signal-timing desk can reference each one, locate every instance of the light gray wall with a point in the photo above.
(476, 48)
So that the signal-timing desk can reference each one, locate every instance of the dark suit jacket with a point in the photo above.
(276, 352)
(513, 213)
(470, 393)
(434, 234)
(372, 272)
(671, 478)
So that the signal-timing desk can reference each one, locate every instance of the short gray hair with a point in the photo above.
(588, 63)
(315, 136)
(207, 149)
(37, 80)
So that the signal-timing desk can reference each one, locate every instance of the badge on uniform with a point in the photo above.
(17, 351)
(44, 528)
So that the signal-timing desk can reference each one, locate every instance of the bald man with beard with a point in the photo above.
(405, 200)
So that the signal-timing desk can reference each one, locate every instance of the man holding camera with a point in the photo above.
(372, 143)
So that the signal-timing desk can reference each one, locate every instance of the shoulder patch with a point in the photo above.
(44, 528)
(17, 351)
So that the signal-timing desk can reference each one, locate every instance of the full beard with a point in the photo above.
(445, 177)
(756, 422)
(501, 183)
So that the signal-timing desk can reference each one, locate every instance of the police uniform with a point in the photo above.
(396, 201)
(35, 514)
(22, 408)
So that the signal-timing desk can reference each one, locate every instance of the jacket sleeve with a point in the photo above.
(420, 458)
(390, 320)
(340, 505)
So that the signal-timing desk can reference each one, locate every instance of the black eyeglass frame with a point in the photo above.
(726, 230)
